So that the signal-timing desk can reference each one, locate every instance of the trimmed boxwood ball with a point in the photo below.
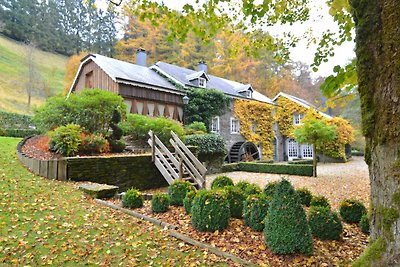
(364, 224)
(248, 188)
(352, 210)
(286, 228)
(210, 210)
(159, 202)
(320, 201)
(254, 211)
(269, 188)
(177, 191)
(188, 200)
(305, 196)
(324, 223)
(236, 197)
(132, 198)
(221, 181)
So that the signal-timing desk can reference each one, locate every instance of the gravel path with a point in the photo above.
(336, 181)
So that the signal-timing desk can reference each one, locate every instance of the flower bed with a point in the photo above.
(242, 241)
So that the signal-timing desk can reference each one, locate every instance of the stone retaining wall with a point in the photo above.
(123, 171)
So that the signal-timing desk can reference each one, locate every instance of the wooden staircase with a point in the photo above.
(180, 165)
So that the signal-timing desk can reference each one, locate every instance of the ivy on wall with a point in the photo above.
(256, 116)
(284, 115)
(335, 149)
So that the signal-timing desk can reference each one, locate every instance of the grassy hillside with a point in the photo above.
(13, 73)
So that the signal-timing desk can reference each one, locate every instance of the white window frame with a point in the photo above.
(249, 94)
(306, 151)
(215, 128)
(235, 126)
(292, 149)
(297, 117)
(202, 82)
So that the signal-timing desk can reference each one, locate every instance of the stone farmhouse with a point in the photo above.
(159, 90)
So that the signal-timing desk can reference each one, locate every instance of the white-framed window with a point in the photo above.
(235, 126)
(297, 118)
(292, 149)
(249, 93)
(307, 151)
(215, 125)
(254, 127)
(202, 82)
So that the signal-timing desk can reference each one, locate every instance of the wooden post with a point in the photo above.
(180, 168)
(153, 147)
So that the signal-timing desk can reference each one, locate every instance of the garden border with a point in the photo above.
(172, 232)
(124, 171)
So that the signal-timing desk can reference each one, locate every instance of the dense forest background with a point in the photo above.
(74, 28)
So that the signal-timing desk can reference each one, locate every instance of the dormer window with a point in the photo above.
(297, 118)
(202, 82)
(248, 94)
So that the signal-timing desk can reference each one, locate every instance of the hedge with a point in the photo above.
(296, 169)
(230, 167)
(22, 133)
(14, 120)
(301, 162)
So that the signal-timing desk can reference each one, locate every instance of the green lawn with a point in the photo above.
(13, 73)
(45, 222)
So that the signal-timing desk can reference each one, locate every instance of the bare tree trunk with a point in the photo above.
(314, 157)
(378, 68)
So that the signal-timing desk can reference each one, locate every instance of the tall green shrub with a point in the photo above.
(208, 144)
(269, 188)
(138, 126)
(286, 229)
(92, 109)
(210, 210)
(188, 201)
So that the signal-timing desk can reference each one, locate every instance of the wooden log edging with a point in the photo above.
(172, 232)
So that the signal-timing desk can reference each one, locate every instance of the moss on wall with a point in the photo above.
(125, 172)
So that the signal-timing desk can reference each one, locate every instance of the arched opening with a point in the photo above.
(243, 151)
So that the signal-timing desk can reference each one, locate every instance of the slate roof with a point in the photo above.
(121, 71)
(226, 86)
(301, 102)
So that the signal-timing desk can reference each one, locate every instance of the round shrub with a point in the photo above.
(236, 197)
(269, 188)
(320, 201)
(188, 201)
(324, 223)
(177, 191)
(352, 210)
(133, 198)
(195, 127)
(94, 144)
(286, 228)
(210, 210)
(117, 146)
(248, 188)
(66, 139)
(221, 181)
(305, 196)
(159, 202)
(255, 209)
(364, 224)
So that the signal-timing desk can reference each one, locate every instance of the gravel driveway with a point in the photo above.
(336, 181)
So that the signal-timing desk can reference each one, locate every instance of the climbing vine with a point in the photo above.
(284, 115)
(336, 148)
(256, 123)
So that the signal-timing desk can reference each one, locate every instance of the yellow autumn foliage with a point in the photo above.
(256, 113)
